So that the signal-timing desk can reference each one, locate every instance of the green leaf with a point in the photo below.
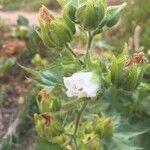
(42, 144)
(47, 78)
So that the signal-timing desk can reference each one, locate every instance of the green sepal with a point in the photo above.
(131, 79)
(60, 33)
(113, 14)
(69, 16)
(91, 14)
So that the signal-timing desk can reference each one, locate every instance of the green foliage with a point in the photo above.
(86, 103)
(91, 14)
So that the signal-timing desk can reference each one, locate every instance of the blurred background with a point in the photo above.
(19, 44)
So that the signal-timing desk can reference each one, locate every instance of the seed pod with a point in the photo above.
(90, 14)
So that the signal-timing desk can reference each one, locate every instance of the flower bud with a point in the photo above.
(48, 102)
(55, 33)
(113, 14)
(60, 32)
(90, 14)
(127, 73)
(45, 18)
(45, 15)
(104, 128)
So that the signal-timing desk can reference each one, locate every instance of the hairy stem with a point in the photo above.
(73, 53)
(87, 56)
(71, 50)
(79, 115)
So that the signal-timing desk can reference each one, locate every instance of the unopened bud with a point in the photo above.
(104, 128)
(45, 14)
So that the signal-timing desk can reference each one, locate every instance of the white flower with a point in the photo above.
(81, 85)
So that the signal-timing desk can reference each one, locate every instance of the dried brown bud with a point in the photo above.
(46, 118)
(108, 121)
(45, 14)
(43, 94)
(136, 58)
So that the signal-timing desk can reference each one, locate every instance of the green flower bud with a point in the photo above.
(60, 32)
(48, 102)
(55, 32)
(127, 73)
(104, 128)
(90, 14)
(113, 14)
(45, 18)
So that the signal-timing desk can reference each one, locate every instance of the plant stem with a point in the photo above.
(70, 49)
(79, 115)
(73, 53)
(87, 56)
(72, 103)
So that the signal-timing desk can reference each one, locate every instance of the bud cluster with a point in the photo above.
(91, 15)
(127, 72)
